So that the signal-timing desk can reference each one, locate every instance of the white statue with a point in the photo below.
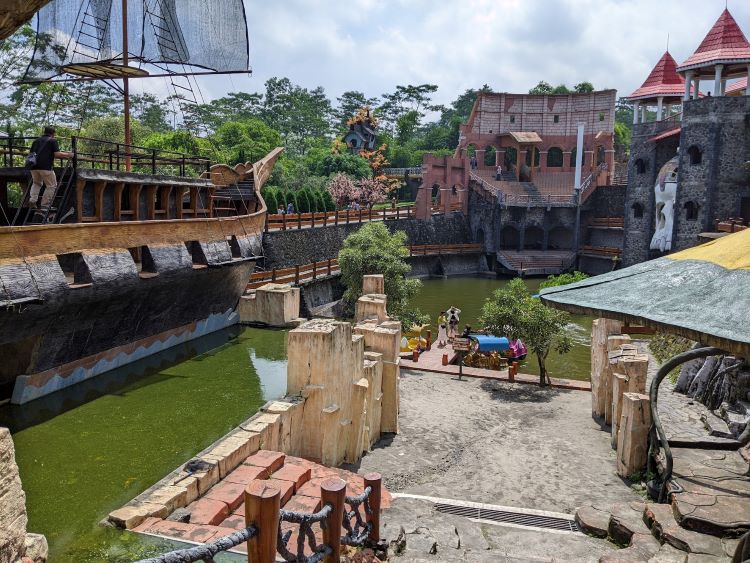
(665, 193)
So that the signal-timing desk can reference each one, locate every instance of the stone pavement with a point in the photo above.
(221, 510)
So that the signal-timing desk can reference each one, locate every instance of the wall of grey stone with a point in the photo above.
(594, 266)
(283, 249)
(319, 292)
(720, 129)
(537, 228)
(640, 191)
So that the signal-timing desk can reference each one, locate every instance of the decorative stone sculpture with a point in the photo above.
(665, 193)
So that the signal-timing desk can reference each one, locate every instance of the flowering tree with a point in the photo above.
(369, 191)
(342, 189)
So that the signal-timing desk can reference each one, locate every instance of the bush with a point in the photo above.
(303, 201)
(269, 195)
(330, 205)
(563, 279)
(664, 346)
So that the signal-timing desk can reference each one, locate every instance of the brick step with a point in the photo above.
(221, 510)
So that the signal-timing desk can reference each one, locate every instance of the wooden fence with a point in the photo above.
(308, 272)
(287, 221)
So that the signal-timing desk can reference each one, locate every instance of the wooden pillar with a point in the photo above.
(614, 353)
(601, 329)
(632, 443)
(619, 386)
(333, 492)
(629, 376)
(374, 480)
(518, 162)
(262, 504)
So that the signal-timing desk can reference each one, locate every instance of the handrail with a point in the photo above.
(206, 551)
(656, 436)
(411, 171)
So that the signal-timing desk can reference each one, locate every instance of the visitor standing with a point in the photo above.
(290, 208)
(442, 330)
(499, 173)
(41, 160)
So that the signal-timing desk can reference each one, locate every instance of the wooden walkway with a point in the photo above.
(432, 361)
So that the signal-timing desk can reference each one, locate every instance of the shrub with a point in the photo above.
(563, 279)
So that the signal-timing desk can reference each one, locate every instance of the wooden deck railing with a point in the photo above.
(289, 221)
(608, 222)
(315, 270)
(602, 250)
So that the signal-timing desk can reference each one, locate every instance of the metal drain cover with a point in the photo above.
(509, 517)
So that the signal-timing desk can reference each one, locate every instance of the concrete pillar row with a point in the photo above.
(688, 82)
(696, 87)
(717, 79)
(747, 90)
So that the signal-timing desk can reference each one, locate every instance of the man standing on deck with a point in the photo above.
(47, 150)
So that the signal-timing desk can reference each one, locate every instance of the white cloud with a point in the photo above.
(373, 45)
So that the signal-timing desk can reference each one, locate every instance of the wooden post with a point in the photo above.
(632, 437)
(336, 218)
(283, 221)
(312, 221)
(273, 275)
(360, 215)
(262, 503)
(333, 492)
(397, 213)
(296, 275)
(325, 218)
(374, 480)
(314, 269)
(299, 220)
(329, 266)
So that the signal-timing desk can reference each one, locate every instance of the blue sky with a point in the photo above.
(372, 45)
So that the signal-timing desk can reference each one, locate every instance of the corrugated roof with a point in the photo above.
(739, 86)
(724, 43)
(663, 81)
(702, 293)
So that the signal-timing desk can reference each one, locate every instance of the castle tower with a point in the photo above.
(722, 55)
(663, 88)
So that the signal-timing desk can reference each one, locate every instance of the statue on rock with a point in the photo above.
(665, 194)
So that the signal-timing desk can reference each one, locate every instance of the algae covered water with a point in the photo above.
(469, 294)
(89, 449)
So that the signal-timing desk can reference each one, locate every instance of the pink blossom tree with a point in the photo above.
(342, 189)
(370, 191)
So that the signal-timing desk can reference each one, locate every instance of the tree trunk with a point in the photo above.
(542, 370)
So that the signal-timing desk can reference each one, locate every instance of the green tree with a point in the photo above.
(151, 111)
(348, 105)
(512, 311)
(542, 88)
(269, 195)
(242, 141)
(583, 88)
(322, 162)
(374, 250)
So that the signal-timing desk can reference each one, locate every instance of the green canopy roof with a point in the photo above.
(702, 293)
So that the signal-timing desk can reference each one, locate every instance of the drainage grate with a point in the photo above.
(508, 517)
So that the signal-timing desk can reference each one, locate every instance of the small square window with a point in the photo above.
(512, 118)
(601, 117)
(557, 119)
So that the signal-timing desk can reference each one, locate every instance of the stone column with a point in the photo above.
(688, 81)
(747, 90)
(717, 79)
(696, 88)
(636, 109)
(629, 376)
(566, 167)
(543, 161)
(643, 113)
(659, 107)
(480, 158)
(519, 160)
(632, 442)
(618, 345)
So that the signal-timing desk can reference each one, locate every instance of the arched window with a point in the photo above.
(637, 211)
(554, 157)
(691, 211)
(600, 154)
(489, 155)
(471, 150)
(511, 155)
(696, 155)
(640, 166)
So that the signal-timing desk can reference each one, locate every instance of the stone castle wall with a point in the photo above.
(284, 249)
(720, 129)
(639, 226)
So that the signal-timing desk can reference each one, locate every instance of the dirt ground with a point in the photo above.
(497, 443)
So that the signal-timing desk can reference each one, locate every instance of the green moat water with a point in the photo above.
(469, 294)
(89, 449)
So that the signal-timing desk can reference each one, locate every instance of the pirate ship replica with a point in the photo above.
(141, 249)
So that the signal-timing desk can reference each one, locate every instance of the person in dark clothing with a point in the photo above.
(466, 332)
(42, 173)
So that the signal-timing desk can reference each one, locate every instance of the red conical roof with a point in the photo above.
(725, 43)
(663, 81)
(739, 86)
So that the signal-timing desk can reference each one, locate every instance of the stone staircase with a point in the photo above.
(650, 532)
(709, 511)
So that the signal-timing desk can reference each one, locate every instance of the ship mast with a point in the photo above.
(125, 84)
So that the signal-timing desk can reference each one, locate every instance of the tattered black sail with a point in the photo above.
(85, 37)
